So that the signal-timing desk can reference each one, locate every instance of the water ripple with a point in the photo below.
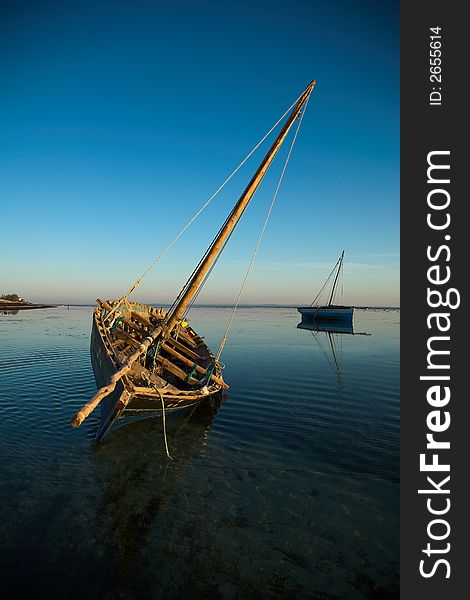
(296, 473)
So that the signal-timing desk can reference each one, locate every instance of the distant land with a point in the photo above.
(15, 302)
(163, 305)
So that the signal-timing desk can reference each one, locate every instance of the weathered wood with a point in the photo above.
(120, 405)
(90, 406)
(184, 349)
(128, 338)
(83, 413)
(171, 320)
(135, 327)
(145, 391)
(166, 346)
(157, 313)
(126, 319)
(126, 368)
(169, 366)
(235, 215)
(183, 334)
(143, 320)
(119, 342)
(198, 368)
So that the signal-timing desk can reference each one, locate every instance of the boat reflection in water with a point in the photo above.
(334, 330)
(140, 491)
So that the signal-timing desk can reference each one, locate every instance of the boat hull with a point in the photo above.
(127, 402)
(103, 369)
(327, 313)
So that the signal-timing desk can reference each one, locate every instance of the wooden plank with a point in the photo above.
(118, 343)
(128, 338)
(126, 319)
(169, 366)
(198, 368)
(145, 391)
(142, 333)
(182, 333)
(143, 320)
(177, 371)
(182, 348)
(187, 361)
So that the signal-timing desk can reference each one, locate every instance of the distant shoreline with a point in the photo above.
(163, 305)
(23, 305)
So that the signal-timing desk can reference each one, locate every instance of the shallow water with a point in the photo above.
(288, 489)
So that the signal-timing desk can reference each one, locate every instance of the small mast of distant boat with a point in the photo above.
(329, 311)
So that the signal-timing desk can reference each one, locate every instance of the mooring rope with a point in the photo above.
(164, 423)
(139, 280)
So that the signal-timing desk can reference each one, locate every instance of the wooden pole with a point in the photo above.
(235, 214)
(104, 391)
(197, 367)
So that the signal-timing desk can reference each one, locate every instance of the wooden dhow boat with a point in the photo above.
(177, 372)
(147, 361)
(329, 311)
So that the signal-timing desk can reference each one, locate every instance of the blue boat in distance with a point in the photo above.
(329, 311)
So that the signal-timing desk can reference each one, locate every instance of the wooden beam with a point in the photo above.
(169, 366)
(127, 318)
(198, 368)
(129, 339)
(142, 333)
(186, 337)
(143, 320)
(182, 348)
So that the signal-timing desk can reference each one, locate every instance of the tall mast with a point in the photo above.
(235, 214)
(336, 278)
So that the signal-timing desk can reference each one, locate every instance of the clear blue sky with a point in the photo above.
(119, 119)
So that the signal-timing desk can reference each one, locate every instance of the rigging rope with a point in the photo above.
(211, 268)
(339, 292)
(201, 285)
(325, 284)
(164, 423)
(342, 281)
(139, 280)
(234, 310)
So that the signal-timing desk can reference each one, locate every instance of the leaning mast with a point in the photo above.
(235, 214)
(163, 330)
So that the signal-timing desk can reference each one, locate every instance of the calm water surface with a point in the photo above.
(288, 489)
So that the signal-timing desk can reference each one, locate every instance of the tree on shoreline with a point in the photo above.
(11, 297)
